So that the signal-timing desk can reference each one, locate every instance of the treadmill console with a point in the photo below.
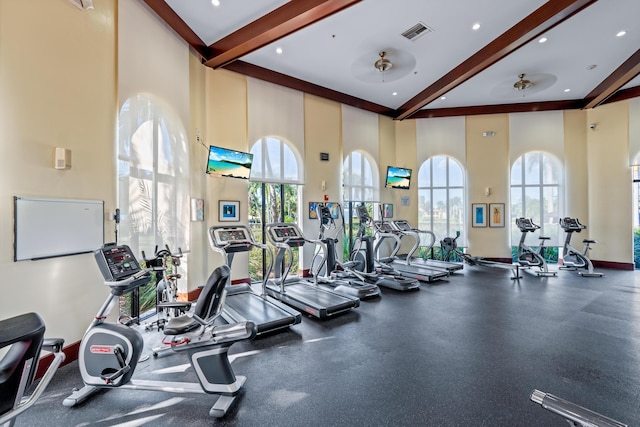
(383, 227)
(116, 262)
(403, 225)
(285, 233)
(235, 238)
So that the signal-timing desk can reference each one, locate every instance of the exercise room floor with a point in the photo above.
(467, 351)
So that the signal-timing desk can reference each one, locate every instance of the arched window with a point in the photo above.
(359, 178)
(273, 193)
(537, 193)
(441, 200)
(153, 176)
(275, 161)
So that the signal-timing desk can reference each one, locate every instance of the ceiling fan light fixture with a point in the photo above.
(383, 64)
(523, 83)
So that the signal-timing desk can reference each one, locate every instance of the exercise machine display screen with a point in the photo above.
(403, 225)
(571, 224)
(285, 233)
(384, 227)
(231, 235)
(116, 262)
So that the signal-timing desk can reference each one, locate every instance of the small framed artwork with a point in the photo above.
(197, 210)
(387, 210)
(228, 211)
(496, 215)
(334, 208)
(313, 210)
(479, 215)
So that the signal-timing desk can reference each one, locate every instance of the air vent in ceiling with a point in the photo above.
(417, 31)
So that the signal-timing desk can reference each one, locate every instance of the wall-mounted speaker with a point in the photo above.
(62, 158)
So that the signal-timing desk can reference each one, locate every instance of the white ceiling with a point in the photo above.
(339, 51)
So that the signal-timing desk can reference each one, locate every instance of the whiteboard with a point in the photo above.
(45, 228)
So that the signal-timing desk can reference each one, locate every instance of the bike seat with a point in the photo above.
(589, 241)
(544, 238)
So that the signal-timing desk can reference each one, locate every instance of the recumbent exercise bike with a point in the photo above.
(109, 352)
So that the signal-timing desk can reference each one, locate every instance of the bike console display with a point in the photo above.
(116, 262)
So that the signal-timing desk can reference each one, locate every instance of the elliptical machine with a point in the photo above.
(527, 257)
(342, 277)
(165, 265)
(363, 254)
(109, 352)
(571, 257)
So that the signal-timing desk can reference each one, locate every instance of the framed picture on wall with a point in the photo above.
(479, 215)
(228, 211)
(313, 210)
(496, 215)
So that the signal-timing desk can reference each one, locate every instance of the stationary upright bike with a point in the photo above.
(572, 258)
(527, 257)
(109, 352)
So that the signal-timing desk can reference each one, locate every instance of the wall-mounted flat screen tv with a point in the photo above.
(398, 178)
(229, 163)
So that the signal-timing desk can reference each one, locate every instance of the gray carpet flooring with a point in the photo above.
(467, 351)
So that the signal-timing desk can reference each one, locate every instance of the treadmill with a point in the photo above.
(301, 294)
(405, 229)
(242, 304)
(384, 230)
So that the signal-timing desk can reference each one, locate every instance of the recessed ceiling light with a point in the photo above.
(279, 50)
(216, 3)
(567, 90)
(443, 97)
(542, 40)
(621, 33)
(476, 26)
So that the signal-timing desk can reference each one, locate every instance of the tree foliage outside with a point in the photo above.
(274, 211)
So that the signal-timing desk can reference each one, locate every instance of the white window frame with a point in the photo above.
(448, 187)
(552, 227)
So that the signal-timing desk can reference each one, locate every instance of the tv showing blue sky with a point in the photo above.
(229, 163)
(398, 177)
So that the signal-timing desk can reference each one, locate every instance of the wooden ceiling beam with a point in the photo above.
(475, 110)
(541, 20)
(620, 77)
(287, 19)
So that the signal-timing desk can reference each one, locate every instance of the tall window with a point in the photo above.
(441, 205)
(153, 186)
(536, 192)
(153, 171)
(358, 178)
(636, 212)
(273, 194)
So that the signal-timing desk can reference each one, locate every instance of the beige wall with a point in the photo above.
(226, 126)
(609, 178)
(63, 95)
